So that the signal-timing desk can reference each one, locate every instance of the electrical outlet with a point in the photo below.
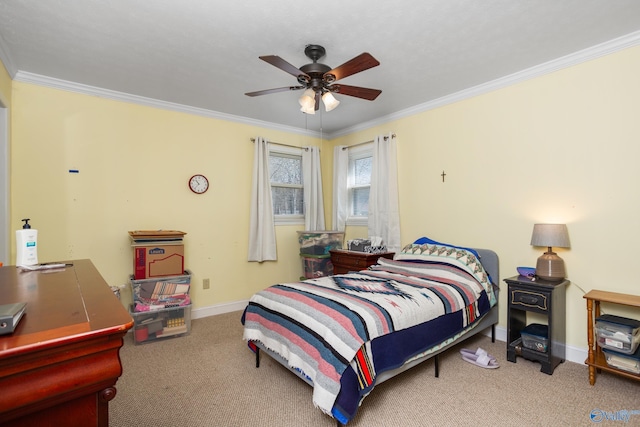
(205, 283)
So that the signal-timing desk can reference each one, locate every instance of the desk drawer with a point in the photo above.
(537, 301)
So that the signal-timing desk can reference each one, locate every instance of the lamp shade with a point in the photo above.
(550, 235)
(549, 265)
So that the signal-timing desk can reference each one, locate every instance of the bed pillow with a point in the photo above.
(426, 240)
(461, 258)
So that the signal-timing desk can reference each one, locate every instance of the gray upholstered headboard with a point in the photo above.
(491, 263)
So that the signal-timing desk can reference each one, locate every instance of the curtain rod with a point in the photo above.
(366, 142)
(284, 145)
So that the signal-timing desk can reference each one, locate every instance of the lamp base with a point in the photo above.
(550, 267)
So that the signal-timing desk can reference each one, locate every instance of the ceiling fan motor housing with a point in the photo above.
(316, 73)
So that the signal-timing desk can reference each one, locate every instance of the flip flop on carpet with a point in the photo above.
(480, 358)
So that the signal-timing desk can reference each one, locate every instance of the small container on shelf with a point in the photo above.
(625, 362)
(619, 334)
(535, 337)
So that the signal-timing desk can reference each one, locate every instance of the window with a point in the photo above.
(359, 184)
(285, 167)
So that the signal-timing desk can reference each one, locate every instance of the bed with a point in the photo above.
(344, 334)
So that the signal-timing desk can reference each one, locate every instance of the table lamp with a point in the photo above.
(550, 266)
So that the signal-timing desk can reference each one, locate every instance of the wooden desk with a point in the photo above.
(60, 366)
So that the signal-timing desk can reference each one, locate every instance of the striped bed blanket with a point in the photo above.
(339, 331)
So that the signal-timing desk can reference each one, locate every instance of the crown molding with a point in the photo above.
(594, 52)
(54, 83)
(576, 58)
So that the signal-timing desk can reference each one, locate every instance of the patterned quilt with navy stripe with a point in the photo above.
(339, 331)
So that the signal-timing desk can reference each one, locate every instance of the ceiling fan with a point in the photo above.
(318, 79)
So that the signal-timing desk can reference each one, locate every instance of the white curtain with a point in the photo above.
(340, 190)
(262, 232)
(384, 217)
(312, 179)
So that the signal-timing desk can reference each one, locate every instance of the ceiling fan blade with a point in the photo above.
(276, 90)
(358, 92)
(276, 61)
(362, 62)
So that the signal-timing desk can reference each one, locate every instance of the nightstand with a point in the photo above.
(346, 261)
(545, 298)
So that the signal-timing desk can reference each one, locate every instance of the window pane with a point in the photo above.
(287, 201)
(285, 170)
(362, 171)
(360, 206)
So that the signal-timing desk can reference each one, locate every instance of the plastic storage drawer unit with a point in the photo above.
(535, 337)
(154, 325)
(160, 292)
(618, 333)
(316, 266)
(319, 242)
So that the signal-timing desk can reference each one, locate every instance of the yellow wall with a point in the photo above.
(562, 147)
(5, 85)
(559, 148)
(134, 163)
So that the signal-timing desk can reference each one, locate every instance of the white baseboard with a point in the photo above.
(573, 354)
(213, 310)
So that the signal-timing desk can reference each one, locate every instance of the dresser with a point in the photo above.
(60, 365)
(346, 261)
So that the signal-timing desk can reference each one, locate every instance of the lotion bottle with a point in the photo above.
(27, 245)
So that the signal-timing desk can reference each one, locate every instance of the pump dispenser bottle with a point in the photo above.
(27, 245)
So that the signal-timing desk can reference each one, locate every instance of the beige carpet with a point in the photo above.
(209, 379)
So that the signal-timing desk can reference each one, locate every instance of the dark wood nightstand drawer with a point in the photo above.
(530, 299)
(346, 261)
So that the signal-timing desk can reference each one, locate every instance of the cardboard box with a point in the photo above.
(157, 259)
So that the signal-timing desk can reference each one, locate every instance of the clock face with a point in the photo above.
(198, 184)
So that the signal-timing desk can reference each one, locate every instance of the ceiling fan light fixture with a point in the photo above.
(308, 98)
(308, 110)
(308, 102)
(329, 101)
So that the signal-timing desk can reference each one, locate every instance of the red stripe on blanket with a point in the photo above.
(365, 371)
(471, 313)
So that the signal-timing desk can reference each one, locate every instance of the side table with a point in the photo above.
(596, 359)
(543, 297)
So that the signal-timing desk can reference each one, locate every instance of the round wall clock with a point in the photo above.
(198, 183)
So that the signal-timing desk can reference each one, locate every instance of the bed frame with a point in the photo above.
(490, 262)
